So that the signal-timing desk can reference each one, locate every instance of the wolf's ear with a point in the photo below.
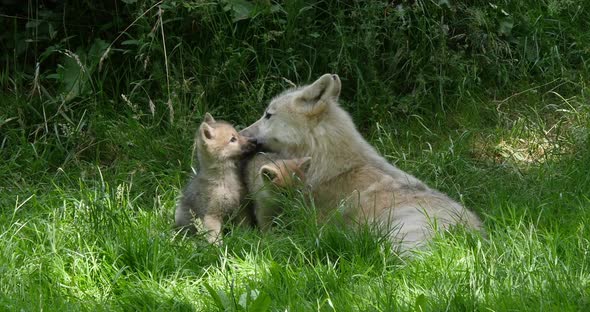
(316, 96)
(208, 118)
(268, 173)
(303, 163)
(327, 86)
(207, 132)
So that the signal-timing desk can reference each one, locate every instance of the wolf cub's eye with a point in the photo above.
(268, 115)
(233, 139)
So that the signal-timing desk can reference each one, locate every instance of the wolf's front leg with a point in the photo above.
(212, 225)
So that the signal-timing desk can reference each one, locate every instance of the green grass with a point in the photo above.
(488, 103)
(94, 236)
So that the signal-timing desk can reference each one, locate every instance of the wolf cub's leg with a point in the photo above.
(184, 218)
(212, 224)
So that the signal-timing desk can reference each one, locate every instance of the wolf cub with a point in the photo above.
(215, 192)
(264, 174)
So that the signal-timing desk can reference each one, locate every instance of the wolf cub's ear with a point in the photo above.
(207, 132)
(303, 163)
(316, 96)
(268, 173)
(208, 118)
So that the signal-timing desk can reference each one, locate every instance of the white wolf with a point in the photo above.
(346, 170)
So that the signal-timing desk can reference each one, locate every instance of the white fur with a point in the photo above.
(308, 121)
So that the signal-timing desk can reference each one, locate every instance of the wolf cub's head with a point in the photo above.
(220, 141)
(285, 173)
(293, 119)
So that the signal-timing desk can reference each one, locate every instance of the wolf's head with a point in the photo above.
(293, 120)
(219, 141)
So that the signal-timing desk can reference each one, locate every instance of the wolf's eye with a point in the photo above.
(233, 139)
(268, 115)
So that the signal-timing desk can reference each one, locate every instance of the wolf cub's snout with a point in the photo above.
(250, 145)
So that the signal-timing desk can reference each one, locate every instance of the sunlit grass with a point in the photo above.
(101, 237)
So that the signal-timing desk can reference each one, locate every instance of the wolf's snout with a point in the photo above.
(250, 131)
(246, 132)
